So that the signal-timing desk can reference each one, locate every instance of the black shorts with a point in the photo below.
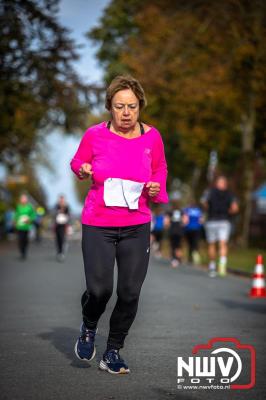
(175, 241)
(158, 235)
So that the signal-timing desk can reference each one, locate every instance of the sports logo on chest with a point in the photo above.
(147, 151)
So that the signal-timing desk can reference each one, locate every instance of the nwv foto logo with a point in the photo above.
(223, 365)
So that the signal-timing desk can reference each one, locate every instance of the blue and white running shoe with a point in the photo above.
(112, 362)
(85, 348)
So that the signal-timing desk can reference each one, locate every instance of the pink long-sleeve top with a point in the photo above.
(140, 159)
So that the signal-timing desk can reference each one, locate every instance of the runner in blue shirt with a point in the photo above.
(158, 223)
(192, 218)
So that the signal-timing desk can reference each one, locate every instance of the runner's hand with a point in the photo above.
(153, 188)
(85, 171)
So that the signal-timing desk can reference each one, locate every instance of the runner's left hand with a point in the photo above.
(153, 188)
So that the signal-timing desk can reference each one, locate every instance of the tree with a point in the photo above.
(203, 68)
(39, 88)
(30, 185)
(115, 27)
(83, 186)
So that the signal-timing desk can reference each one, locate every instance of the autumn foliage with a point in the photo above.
(202, 64)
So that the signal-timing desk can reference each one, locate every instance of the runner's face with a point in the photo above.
(125, 109)
(221, 184)
(61, 200)
(23, 199)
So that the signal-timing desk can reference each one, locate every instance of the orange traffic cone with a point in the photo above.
(258, 283)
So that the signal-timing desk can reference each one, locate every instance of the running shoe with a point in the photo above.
(212, 273)
(175, 263)
(112, 362)
(85, 348)
(222, 269)
(196, 257)
(158, 255)
(60, 257)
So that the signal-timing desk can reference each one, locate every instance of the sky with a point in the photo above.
(80, 16)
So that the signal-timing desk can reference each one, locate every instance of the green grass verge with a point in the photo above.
(243, 259)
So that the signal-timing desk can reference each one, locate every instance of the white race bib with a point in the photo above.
(176, 217)
(122, 193)
(61, 218)
(23, 219)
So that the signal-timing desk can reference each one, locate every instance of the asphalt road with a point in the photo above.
(40, 318)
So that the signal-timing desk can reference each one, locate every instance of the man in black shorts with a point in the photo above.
(220, 204)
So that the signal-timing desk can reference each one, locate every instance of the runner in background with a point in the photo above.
(192, 219)
(62, 217)
(157, 231)
(9, 228)
(220, 204)
(24, 217)
(174, 223)
(40, 213)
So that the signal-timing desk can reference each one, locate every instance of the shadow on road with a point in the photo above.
(252, 307)
(63, 339)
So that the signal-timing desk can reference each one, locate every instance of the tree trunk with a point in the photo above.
(247, 130)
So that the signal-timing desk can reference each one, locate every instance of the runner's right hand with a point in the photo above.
(85, 171)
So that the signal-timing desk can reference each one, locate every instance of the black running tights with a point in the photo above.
(101, 246)
(23, 242)
(60, 233)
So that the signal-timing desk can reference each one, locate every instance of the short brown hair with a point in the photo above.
(122, 82)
